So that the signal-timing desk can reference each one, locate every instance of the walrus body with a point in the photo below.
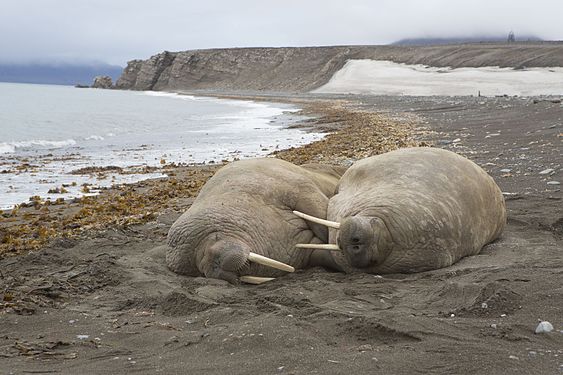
(246, 207)
(413, 210)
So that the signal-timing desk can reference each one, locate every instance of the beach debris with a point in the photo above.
(57, 190)
(544, 327)
(365, 348)
(547, 171)
(359, 134)
(123, 206)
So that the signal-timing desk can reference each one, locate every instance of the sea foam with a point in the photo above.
(9, 147)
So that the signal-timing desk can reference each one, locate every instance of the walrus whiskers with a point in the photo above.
(328, 223)
(255, 279)
(257, 258)
(317, 246)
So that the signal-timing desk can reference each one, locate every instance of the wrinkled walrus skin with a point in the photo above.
(413, 210)
(247, 207)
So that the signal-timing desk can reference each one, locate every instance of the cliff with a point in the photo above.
(301, 69)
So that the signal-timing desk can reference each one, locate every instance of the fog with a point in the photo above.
(116, 31)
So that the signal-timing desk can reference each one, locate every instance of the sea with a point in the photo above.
(48, 131)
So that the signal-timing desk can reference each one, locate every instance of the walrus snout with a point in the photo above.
(227, 259)
(224, 259)
(356, 238)
(358, 255)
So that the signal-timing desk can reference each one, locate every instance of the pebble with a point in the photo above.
(553, 183)
(365, 348)
(513, 357)
(544, 327)
(547, 171)
(505, 170)
(82, 337)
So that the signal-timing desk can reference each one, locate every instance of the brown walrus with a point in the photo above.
(412, 210)
(243, 216)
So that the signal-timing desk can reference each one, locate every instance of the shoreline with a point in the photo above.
(35, 223)
(71, 170)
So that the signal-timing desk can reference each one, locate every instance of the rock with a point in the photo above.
(553, 183)
(102, 82)
(505, 170)
(544, 327)
(547, 171)
(492, 135)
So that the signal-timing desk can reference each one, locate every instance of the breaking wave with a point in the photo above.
(9, 147)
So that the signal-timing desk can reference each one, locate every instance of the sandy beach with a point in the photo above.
(84, 287)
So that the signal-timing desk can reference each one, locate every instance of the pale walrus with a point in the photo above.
(243, 217)
(412, 210)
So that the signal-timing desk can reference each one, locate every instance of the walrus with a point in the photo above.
(242, 218)
(411, 210)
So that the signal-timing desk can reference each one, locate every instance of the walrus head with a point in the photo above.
(224, 259)
(227, 259)
(359, 239)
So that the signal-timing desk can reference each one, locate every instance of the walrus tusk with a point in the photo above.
(328, 223)
(255, 279)
(257, 258)
(317, 246)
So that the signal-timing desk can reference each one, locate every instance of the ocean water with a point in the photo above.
(47, 131)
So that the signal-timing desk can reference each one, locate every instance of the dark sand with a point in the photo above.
(109, 283)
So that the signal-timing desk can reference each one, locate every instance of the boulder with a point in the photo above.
(102, 82)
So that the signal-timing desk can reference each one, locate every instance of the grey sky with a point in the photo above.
(116, 31)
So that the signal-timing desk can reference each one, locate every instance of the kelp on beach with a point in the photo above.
(359, 134)
(355, 135)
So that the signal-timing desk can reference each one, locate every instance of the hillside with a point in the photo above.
(301, 69)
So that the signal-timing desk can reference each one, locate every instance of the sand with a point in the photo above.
(101, 300)
(390, 78)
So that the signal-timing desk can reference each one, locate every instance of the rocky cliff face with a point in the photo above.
(102, 82)
(303, 69)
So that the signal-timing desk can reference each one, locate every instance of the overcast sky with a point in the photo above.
(116, 31)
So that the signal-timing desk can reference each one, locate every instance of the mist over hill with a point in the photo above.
(56, 74)
(461, 40)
